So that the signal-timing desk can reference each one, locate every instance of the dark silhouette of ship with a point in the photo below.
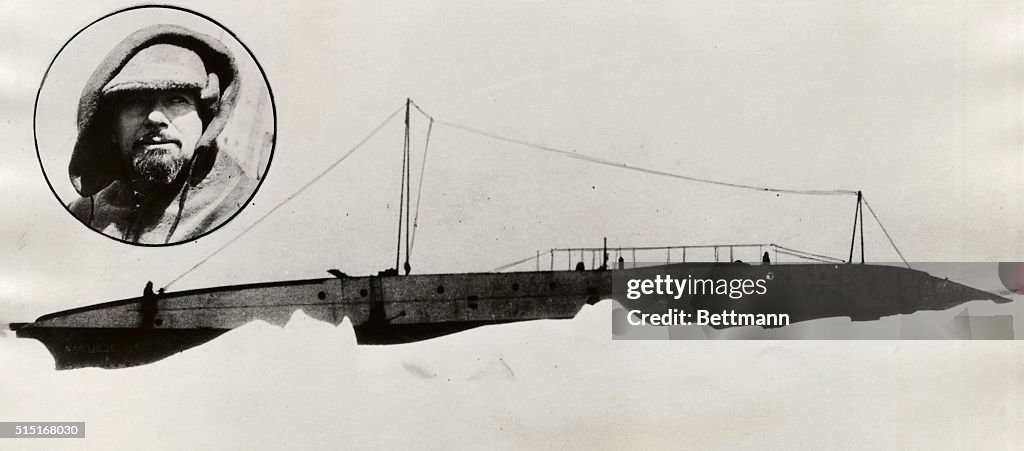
(391, 309)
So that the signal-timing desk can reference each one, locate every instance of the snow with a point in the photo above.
(542, 384)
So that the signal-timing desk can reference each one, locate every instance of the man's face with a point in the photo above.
(156, 132)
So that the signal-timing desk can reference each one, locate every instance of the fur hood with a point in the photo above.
(95, 161)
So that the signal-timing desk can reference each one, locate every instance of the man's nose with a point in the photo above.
(157, 116)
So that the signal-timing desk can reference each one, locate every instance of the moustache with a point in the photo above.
(155, 138)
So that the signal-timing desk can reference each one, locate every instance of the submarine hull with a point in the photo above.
(401, 309)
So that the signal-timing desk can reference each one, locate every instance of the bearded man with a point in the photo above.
(146, 161)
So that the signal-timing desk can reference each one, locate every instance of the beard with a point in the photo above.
(158, 165)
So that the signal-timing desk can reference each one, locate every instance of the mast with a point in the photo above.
(403, 195)
(858, 216)
(859, 201)
(408, 186)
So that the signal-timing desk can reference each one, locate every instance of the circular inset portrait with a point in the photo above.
(154, 125)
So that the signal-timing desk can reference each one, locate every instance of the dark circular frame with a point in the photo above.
(270, 92)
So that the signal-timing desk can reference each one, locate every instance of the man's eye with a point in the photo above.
(132, 101)
(180, 100)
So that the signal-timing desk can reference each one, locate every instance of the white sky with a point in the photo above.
(918, 104)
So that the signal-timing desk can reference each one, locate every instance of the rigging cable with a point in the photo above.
(879, 221)
(419, 190)
(289, 198)
(596, 160)
(777, 251)
(424, 113)
(601, 161)
(793, 252)
(517, 262)
(406, 169)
